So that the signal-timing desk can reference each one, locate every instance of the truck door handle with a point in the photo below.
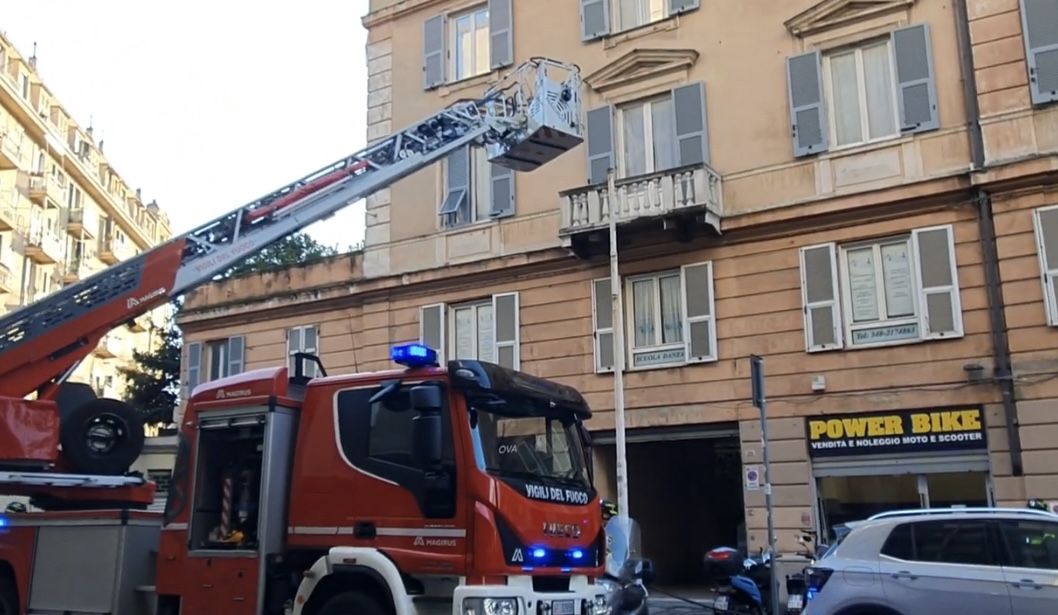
(365, 529)
(1027, 584)
(904, 574)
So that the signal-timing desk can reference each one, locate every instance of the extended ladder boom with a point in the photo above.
(526, 120)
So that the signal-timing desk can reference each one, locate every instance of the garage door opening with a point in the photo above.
(684, 490)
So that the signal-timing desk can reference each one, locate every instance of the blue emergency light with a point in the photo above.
(413, 355)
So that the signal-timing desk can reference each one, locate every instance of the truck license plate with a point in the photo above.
(720, 603)
(796, 601)
(562, 607)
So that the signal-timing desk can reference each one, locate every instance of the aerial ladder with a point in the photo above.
(529, 117)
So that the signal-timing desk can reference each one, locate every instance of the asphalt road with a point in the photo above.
(664, 605)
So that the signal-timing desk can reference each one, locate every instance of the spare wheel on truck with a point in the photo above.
(102, 436)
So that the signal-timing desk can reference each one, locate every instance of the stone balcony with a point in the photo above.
(44, 246)
(47, 190)
(684, 200)
(82, 222)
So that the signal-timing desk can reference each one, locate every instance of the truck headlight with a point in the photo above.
(490, 606)
(602, 605)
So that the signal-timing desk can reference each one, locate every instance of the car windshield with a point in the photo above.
(512, 442)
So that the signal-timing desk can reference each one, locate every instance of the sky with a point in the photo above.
(207, 106)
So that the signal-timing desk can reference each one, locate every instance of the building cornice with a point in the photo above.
(393, 11)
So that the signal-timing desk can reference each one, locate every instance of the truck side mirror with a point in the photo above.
(426, 428)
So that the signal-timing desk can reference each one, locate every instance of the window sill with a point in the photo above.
(479, 224)
(454, 87)
(648, 368)
(662, 25)
(862, 148)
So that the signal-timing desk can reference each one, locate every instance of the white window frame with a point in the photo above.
(309, 367)
(453, 336)
(648, 133)
(846, 295)
(919, 294)
(861, 91)
(453, 40)
(643, 6)
(479, 192)
(685, 322)
(1047, 276)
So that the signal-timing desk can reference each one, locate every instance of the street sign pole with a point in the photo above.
(757, 378)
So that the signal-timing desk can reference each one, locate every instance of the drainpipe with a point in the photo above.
(1004, 373)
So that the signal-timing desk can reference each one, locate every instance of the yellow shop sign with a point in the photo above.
(896, 432)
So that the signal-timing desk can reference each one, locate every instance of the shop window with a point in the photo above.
(893, 291)
(1031, 544)
(228, 487)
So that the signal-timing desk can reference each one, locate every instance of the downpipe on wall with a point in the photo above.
(1003, 371)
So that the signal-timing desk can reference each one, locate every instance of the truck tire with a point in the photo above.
(8, 596)
(103, 436)
(351, 603)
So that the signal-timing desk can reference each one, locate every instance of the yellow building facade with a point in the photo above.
(65, 213)
(862, 193)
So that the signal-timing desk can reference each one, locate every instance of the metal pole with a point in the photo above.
(760, 401)
(618, 349)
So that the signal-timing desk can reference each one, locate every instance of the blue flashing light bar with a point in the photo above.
(3, 522)
(413, 355)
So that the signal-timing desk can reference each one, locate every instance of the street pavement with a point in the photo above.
(660, 604)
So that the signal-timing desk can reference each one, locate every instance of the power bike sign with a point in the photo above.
(902, 431)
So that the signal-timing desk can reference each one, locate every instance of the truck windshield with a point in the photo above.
(515, 443)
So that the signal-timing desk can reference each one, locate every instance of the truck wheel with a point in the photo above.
(103, 436)
(8, 597)
(351, 603)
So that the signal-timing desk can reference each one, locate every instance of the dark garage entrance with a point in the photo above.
(684, 490)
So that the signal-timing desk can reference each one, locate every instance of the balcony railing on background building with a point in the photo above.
(691, 189)
(44, 187)
(12, 154)
(43, 245)
(7, 275)
(113, 250)
(82, 222)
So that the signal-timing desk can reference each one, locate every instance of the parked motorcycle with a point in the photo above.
(628, 573)
(748, 591)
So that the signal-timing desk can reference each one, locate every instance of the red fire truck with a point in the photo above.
(462, 488)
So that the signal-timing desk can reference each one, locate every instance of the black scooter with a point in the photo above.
(797, 583)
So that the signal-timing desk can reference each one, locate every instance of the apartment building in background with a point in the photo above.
(862, 193)
(65, 213)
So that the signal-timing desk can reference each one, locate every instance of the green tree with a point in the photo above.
(287, 252)
(153, 385)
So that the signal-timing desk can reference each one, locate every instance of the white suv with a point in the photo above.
(963, 561)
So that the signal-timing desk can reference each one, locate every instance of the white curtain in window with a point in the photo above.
(481, 42)
(486, 351)
(464, 325)
(644, 313)
(663, 125)
(631, 14)
(878, 81)
(846, 98)
(671, 310)
(634, 134)
(464, 46)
